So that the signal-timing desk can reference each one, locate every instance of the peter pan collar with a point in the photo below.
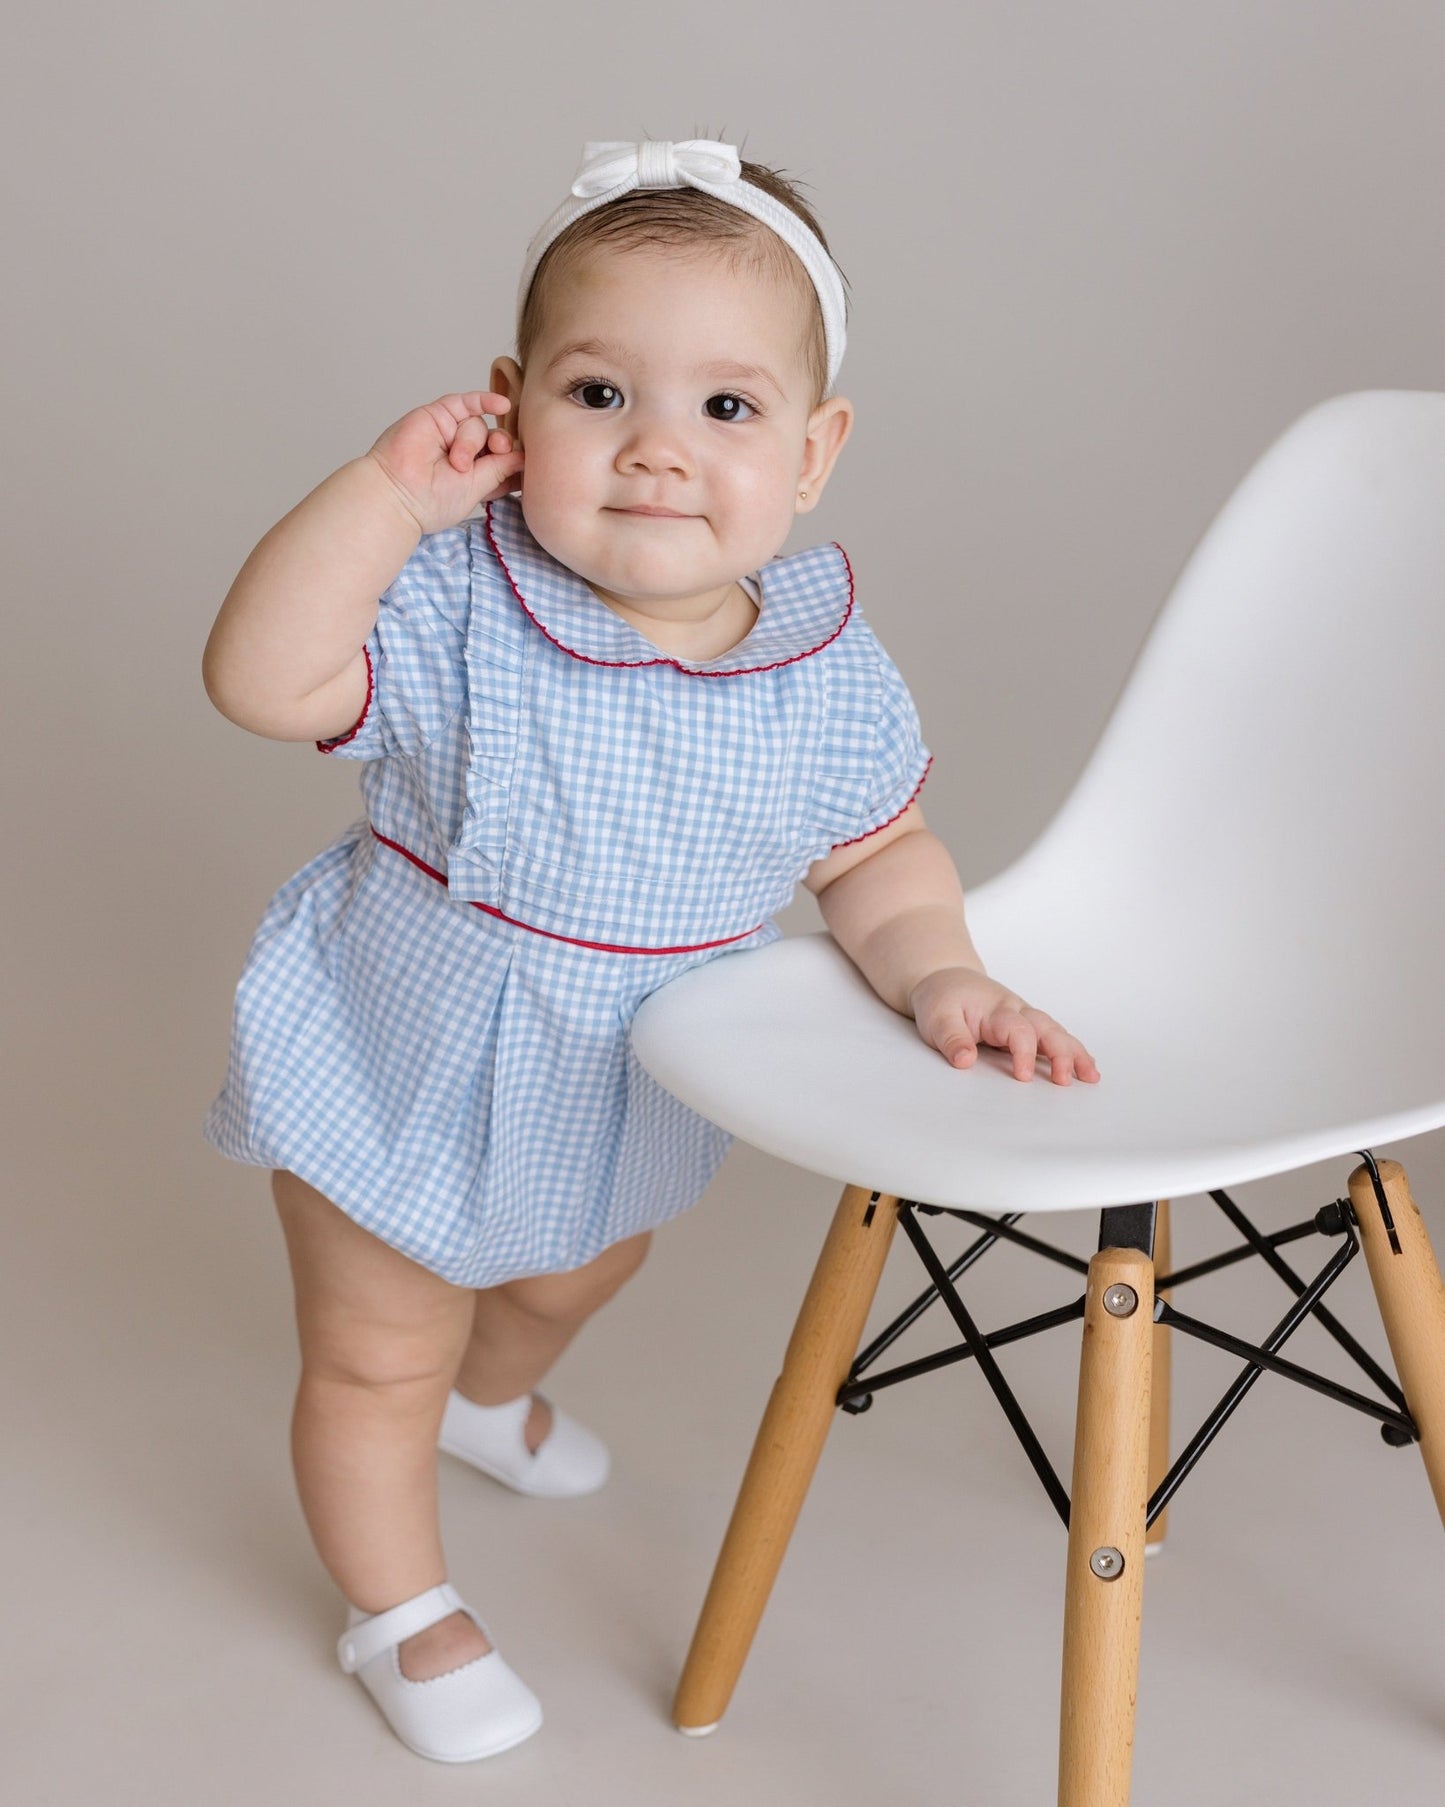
(805, 600)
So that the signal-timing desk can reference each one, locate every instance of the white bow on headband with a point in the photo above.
(612, 168)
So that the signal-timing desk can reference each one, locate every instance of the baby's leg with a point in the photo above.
(519, 1328)
(380, 1340)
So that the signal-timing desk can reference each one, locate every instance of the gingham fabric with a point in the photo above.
(431, 1023)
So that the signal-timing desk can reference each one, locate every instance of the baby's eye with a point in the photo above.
(732, 403)
(590, 388)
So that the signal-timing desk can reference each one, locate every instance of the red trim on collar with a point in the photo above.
(340, 740)
(630, 664)
(893, 818)
(606, 947)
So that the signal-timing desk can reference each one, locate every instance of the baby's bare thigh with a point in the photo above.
(579, 1291)
(364, 1310)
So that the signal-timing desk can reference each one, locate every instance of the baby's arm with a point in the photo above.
(894, 903)
(283, 658)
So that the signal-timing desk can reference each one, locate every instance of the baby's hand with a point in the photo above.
(444, 461)
(955, 1008)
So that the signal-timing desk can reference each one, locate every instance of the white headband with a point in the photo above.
(610, 169)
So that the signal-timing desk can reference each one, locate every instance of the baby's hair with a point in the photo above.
(688, 216)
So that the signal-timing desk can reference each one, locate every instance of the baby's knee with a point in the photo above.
(397, 1371)
(391, 1344)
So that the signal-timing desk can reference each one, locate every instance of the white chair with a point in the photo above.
(1237, 909)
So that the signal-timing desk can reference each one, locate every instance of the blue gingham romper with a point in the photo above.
(431, 1025)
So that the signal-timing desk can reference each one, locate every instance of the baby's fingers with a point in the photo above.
(468, 443)
(485, 401)
(1085, 1065)
(474, 438)
(456, 415)
(1025, 1033)
(958, 1048)
(1066, 1054)
(501, 472)
(1058, 1047)
(1021, 1040)
(474, 403)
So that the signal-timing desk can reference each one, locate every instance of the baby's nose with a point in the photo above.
(655, 448)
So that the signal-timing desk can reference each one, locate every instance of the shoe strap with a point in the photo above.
(361, 1642)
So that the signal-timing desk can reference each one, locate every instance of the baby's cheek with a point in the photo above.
(551, 518)
(546, 470)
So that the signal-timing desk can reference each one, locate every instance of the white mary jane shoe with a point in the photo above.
(475, 1711)
(571, 1460)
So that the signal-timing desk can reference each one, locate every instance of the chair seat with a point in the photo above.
(789, 1048)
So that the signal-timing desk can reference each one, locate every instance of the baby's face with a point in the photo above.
(668, 381)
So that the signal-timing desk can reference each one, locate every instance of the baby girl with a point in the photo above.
(605, 730)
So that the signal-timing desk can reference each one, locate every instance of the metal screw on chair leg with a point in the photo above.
(1107, 1563)
(1333, 1219)
(1120, 1301)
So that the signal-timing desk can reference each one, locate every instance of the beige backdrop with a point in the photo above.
(1100, 257)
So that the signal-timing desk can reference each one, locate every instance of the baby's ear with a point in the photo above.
(829, 425)
(506, 379)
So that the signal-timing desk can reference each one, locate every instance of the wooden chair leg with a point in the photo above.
(789, 1442)
(1411, 1297)
(1104, 1587)
(1159, 1383)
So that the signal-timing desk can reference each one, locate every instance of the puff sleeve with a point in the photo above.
(873, 759)
(416, 653)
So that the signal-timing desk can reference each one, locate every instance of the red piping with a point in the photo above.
(340, 740)
(893, 818)
(606, 947)
(746, 671)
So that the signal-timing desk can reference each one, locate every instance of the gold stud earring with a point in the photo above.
(802, 495)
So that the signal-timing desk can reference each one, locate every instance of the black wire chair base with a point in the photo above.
(1132, 1226)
